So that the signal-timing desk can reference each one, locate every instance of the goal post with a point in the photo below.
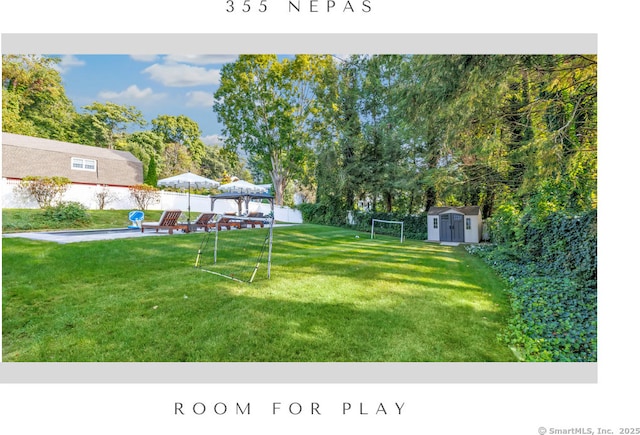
(389, 223)
(237, 253)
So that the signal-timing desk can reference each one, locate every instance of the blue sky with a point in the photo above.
(155, 85)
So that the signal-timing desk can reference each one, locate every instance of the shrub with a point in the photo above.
(569, 246)
(144, 195)
(46, 191)
(553, 301)
(68, 212)
(555, 320)
(322, 214)
(104, 196)
(503, 225)
(415, 226)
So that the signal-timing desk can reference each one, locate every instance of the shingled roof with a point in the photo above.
(24, 156)
(469, 210)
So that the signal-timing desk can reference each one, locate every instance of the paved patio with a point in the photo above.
(93, 235)
(85, 236)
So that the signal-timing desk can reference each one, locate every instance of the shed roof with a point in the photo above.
(469, 210)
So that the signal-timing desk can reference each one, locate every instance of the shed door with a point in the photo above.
(451, 227)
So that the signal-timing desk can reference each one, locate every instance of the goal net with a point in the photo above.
(237, 249)
(387, 228)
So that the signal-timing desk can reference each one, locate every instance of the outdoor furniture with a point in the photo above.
(168, 221)
(228, 221)
(205, 220)
(255, 222)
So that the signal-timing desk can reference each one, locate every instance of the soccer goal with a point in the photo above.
(388, 228)
(239, 251)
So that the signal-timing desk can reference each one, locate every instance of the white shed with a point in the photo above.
(454, 224)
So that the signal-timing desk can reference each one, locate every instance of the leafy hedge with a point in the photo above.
(68, 212)
(551, 265)
(322, 214)
(561, 243)
(415, 226)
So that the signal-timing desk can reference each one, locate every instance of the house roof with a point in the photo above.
(24, 156)
(38, 143)
(469, 210)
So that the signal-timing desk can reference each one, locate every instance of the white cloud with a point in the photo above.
(67, 62)
(180, 75)
(199, 99)
(144, 57)
(213, 139)
(201, 59)
(131, 94)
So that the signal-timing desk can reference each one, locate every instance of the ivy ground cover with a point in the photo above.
(334, 295)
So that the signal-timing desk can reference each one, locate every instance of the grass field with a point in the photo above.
(331, 297)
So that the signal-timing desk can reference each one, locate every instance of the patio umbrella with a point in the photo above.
(242, 186)
(185, 181)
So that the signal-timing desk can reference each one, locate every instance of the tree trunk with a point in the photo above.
(279, 179)
(430, 198)
(388, 201)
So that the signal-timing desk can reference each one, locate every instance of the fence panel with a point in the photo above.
(118, 198)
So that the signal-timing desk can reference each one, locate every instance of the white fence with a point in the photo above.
(119, 199)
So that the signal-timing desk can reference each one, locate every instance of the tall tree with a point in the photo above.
(147, 146)
(339, 137)
(176, 159)
(267, 107)
(384, 156)
(365, 129)
(34, 101)
(459, 130)
(216, 163)
(151, 175)
(181, 130)
(105, 123)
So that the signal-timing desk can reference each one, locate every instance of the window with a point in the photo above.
(435, 223)
(83, 164)
(468, 223)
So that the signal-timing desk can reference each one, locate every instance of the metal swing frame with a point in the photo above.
(240, 198)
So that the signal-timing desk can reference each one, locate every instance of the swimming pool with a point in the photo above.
(68, 236)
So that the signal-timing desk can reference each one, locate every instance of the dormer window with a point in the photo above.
(80, 164)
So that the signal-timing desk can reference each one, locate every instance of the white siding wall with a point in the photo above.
(86, 195)
(433, 234)
(472, 235)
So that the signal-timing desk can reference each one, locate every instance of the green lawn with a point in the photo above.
(331, 297)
